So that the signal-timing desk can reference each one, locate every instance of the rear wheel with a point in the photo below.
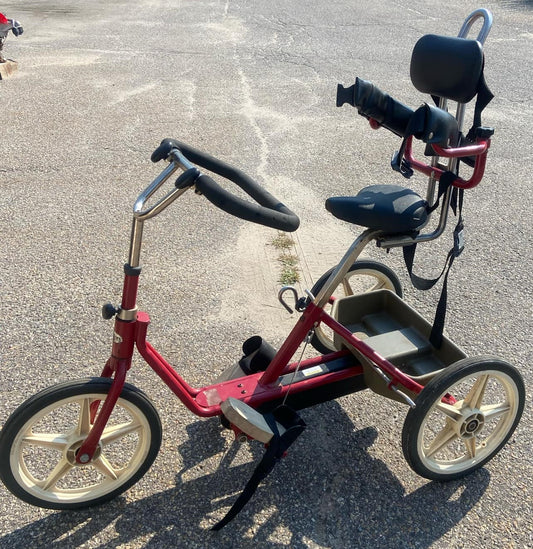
(446, 438)
(40, 440)
(363, 276)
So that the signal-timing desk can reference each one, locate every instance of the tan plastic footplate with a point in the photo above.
(247, 419)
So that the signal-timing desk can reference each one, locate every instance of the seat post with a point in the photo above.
(354, 251)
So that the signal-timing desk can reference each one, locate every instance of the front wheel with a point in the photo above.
(363, 276)
(40, 440)
(463, 417)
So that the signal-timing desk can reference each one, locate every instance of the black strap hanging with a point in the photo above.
(484, 97)
(278, 445)
(421, 283)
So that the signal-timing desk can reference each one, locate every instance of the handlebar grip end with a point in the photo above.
(162, 152)
(345, 95)
(187, 178)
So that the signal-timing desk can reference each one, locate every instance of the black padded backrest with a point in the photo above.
(447, 67)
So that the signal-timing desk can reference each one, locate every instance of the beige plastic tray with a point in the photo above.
(397, 332)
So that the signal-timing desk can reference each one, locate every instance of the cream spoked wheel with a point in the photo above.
(463, 417)
(363, 276)
(40, 440)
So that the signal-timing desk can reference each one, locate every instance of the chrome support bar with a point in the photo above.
(178, 162)
(140, 215)
(486, 15)
(472, 18)
(388, 380)
(407, 398)
(135, 242)
(344, 266)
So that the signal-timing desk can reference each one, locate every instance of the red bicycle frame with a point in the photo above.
(255, 389)
(130, 328)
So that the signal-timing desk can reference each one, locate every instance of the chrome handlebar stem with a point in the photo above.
(140, 214)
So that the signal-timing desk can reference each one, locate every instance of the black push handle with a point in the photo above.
(268, 211)
(428, 123)
(371, 102)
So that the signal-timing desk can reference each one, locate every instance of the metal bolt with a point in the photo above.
(85, 458)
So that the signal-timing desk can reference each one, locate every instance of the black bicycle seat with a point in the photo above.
(390, 208)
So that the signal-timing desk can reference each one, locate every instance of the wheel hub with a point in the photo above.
(472, 425)
(72, 453)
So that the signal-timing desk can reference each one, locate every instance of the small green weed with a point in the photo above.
(282, 242)
(289, 262)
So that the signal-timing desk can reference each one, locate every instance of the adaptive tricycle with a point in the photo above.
(82, 443)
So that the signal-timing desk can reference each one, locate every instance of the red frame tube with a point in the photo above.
(458, 152)
(479, 150)
(87, 449)
(205, 402)
(254, 389)
(129, 291)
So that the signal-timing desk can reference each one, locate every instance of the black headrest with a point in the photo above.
(447, 67)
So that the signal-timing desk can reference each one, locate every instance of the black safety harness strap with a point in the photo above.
(278, 445)
(421, 283)
(484, 97)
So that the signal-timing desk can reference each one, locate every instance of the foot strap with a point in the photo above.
(293, 426)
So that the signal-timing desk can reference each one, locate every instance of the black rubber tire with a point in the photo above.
(26, 466)
(320, 341)
(464, 444)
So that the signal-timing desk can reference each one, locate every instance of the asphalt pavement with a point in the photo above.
(99, 85)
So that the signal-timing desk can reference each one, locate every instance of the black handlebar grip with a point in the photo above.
(371, 102)
(268, 211)
(277, 217)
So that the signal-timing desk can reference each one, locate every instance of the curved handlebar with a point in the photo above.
(268, 211)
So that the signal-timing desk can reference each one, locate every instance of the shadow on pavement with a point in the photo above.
(333, 494)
